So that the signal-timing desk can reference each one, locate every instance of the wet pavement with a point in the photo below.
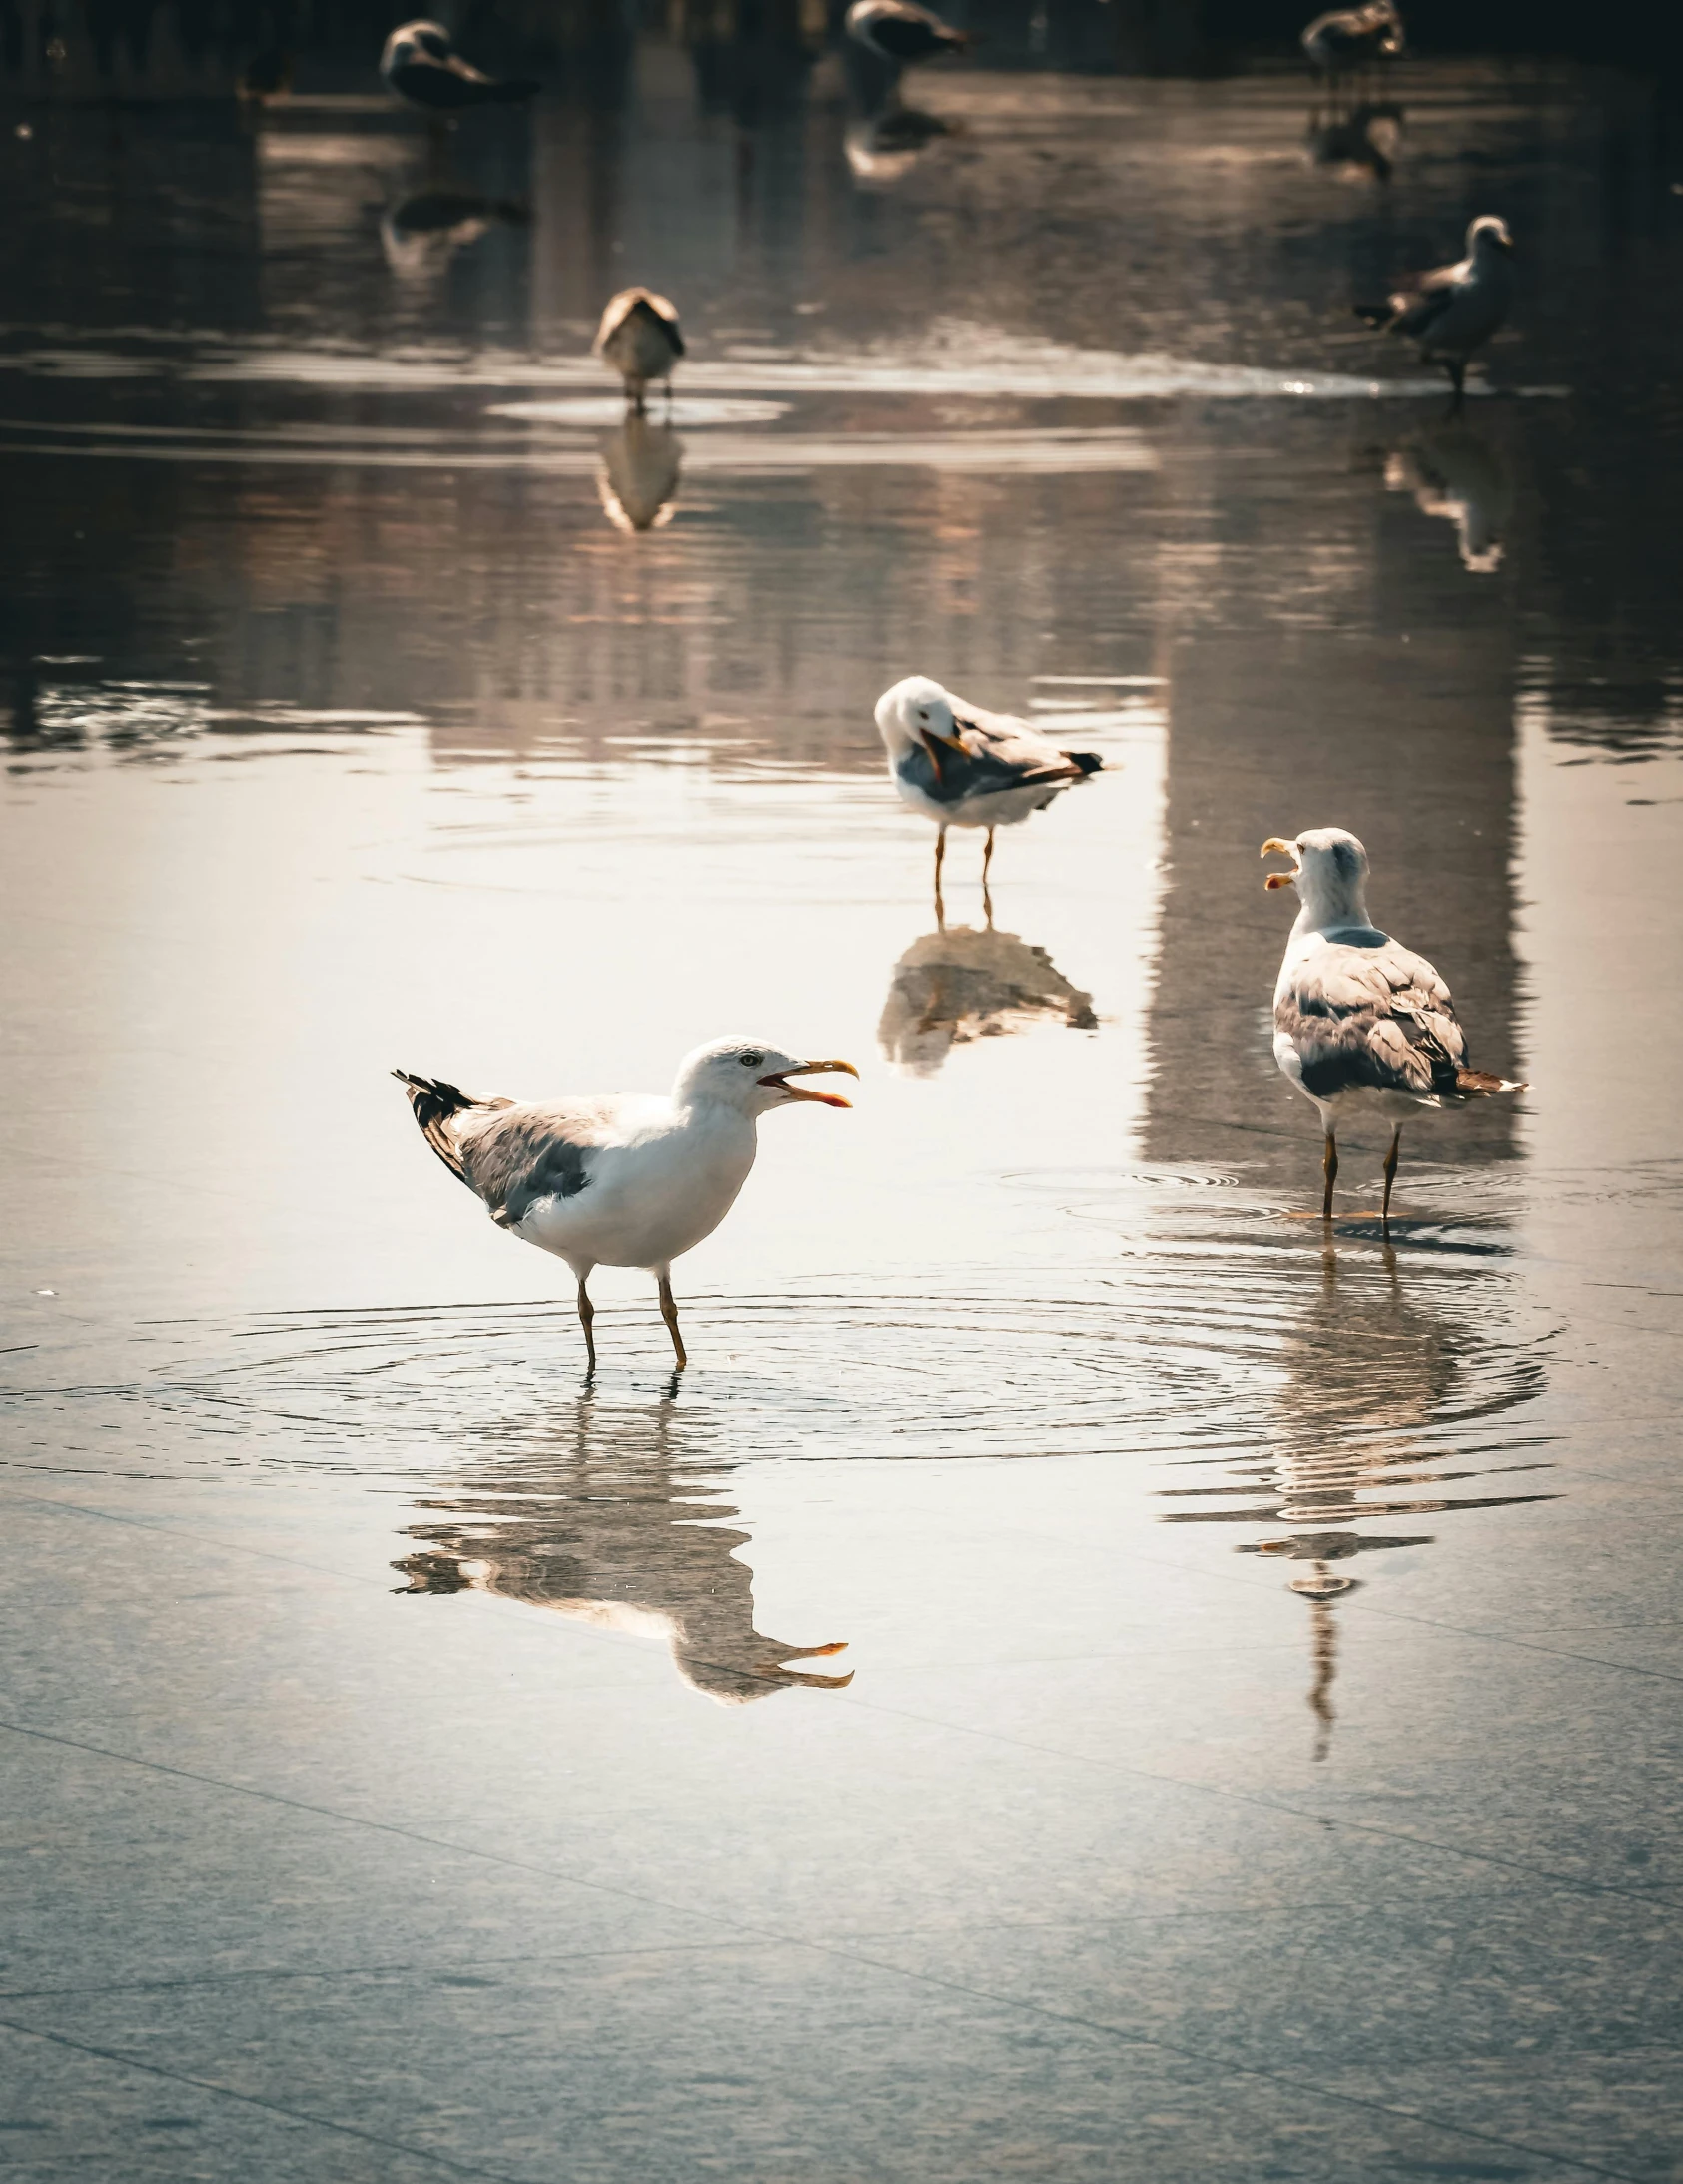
(1088, 1674)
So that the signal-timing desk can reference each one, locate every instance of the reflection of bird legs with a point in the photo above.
(1458, 369)
(1390, 1173)
(1329, 1169)
(987, 898)
(940, 856)
(1323, 1651)
(587, 1319)
(669, 1313)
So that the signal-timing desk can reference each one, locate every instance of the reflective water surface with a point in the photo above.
(1253, 1749)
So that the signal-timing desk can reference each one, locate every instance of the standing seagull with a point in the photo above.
(962, 767)
(1456, 308)
(627, 1179)
(420, 64)
(897, 32)
(1358, 1020)
(639, 339)
(1349, 41)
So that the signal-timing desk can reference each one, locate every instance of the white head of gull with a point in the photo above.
(1454, 309)
(1359, 1020)
(622, 1178)
(962, 767)
(421, 66)
(1349, 41)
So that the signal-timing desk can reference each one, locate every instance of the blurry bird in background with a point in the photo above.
(899, 33)
(1353, 42)
(421, 66)
(267, 76)
(639, 338)
(1454, 309)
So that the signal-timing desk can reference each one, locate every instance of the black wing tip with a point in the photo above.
(1480, 1084)
(1377, 314)
(517, 87)
(1089, 761)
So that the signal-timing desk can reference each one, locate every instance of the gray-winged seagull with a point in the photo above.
(1359, 1020)
(639, 339)
(1454, 309)
(962, 767)
(420, 64)
(625, 1179)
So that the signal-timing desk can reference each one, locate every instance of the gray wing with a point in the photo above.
(1420, 305)
(1004, 753)
(1376, 1016)
(520, 1154)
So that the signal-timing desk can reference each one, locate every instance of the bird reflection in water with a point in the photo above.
(957, 984)
(885, 144)
(1361, 146)
(614, 1527)
(422, 233)
(1371, 1378)
(1456, 474)
(637, 483)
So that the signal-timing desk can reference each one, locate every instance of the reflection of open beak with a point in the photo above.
(1274, 847)
(780, 1078)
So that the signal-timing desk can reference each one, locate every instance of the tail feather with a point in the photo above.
(517, 87)
(1088, 761)
(435, 1102)
(1479, 1084)
(1375, 314)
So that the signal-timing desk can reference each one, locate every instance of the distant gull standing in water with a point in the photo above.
(898, 33)
(639, 339)
(1349, 41)
(624, 1180)
(1454, 310)
(1359, 1021)
(962, 767)
(420, 64)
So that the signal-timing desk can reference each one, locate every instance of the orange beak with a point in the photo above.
(1274, 847)
(799, 1092)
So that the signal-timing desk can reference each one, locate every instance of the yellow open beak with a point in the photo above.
(1274, 847)
(800, 1091)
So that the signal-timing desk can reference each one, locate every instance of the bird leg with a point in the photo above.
(1329, 1169)
(1457, 369)
(1390, 1172)
(669, 1313)
(586, 1317)
(987, 898)
(939, 854)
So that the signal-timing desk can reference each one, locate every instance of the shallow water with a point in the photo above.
(1252, 1752)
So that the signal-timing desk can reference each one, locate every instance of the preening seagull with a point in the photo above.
(1347, 41)
(624, 1180)
(1454, 309)
(639, 339)
(897, 32)
(420, 64)
(1359, 1020)
(962, 767)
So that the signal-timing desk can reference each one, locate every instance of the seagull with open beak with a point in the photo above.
(1361, 1022)
(962, 767)
(622, 1178)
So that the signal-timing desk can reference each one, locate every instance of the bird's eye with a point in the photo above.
(750, 1061)
(923, 716)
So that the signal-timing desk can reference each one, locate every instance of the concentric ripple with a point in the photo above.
(1193, 1352)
